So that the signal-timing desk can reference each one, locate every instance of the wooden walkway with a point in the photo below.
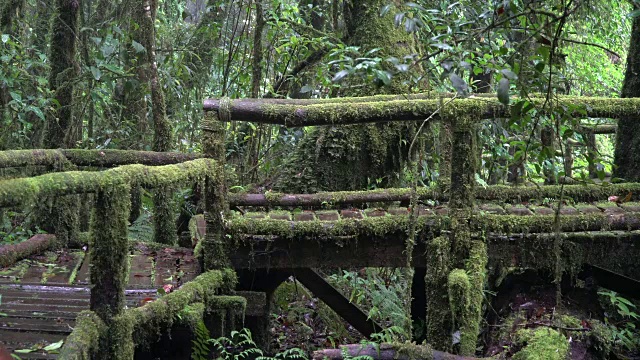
(41, 296)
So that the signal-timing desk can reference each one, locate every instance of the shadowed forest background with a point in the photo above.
(132, 75)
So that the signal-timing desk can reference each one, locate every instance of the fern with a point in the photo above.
(240, 345)
(200, 347)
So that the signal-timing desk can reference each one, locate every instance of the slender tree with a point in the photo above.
(64, 71)
(627, 152)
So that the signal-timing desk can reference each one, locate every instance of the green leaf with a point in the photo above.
(509, 74)
(24, 351)
(503, 91)
(634, 14)
(15, 96)
(36, 111)
(54, 346)
(138, 47)
(340, 75)
(97, 74)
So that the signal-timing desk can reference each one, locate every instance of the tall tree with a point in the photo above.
(64, 71)
(627, 153)
(347, 158)
(164, 219)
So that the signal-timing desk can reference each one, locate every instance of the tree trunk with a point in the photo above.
(164, 218)
(353, 157)
(626, 159)
(64, 71)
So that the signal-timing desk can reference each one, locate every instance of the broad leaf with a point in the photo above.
(503, 91)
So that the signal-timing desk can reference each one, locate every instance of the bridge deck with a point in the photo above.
(376, 236)
(41, 296)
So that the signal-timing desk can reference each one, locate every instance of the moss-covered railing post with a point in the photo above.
(214, 247)
(109, 250)
(456, 264)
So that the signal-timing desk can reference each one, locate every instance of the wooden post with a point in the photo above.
(109, 251)
(214, 247)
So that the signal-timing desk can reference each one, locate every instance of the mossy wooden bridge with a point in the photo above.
(102, 300)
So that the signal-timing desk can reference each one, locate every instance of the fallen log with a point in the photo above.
(387, 352)
(346, 113)
(10, 254)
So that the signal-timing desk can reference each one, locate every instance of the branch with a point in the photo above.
(592, 44)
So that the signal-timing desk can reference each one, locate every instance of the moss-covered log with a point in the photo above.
(601, 129)
(112, 158)
(20, 191)
(23, 158)
(386, 352)
(377, 227)
(414, 110)
(109, 251)
(501, 193)
(84, 341)
(10, 254)
(149, 322)
(56, 158)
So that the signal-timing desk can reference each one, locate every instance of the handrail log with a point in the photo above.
(504, 193)
(99, 158)
(406, 110)
(22, 190)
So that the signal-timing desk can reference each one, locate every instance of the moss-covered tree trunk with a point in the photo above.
(61, 130)
(64, 71)
(352, 157)
(164, 215)
(627, 153)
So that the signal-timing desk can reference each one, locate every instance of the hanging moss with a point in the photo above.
(84, 341)
(109, 251)
(475, 269)
(438, 319)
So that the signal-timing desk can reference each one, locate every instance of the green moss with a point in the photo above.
(157, 317)
(459, 293)
(476, 270)
(472, 110)
(498, 193)
(542, 344)
(412, 351)
(84, 341)
(438, 310)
